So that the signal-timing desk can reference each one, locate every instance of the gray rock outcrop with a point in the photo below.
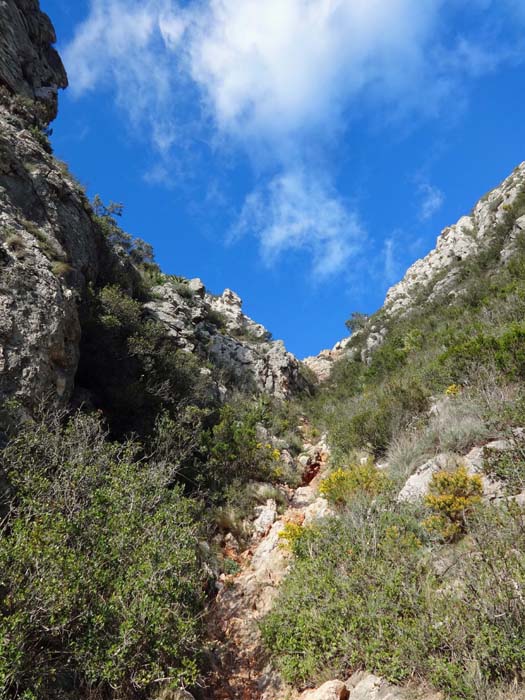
(48, 247)
(438, 274)
(438, 271)
(216, 328)
(29, 65)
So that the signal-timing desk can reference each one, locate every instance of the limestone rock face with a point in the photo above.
(436, 275)
(48, 253)
(321, 365)
(417, 485)
(333, 690)
(439, 269)
(29, 65)
(229, 305)
(216, 328)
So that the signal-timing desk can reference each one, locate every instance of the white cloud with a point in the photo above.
(299, 212)
(278, 68)
(276, 78)
(432, 199)
(267, 71)
(390, 262)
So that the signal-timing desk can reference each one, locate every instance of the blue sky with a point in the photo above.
(300, 152)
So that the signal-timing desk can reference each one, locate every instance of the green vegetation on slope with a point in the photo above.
(367, 591)
(430, 592)
(106, 513)
(477, 329)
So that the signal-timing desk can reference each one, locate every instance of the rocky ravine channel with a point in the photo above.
(240, 669)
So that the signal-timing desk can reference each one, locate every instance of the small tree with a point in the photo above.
(356, 322)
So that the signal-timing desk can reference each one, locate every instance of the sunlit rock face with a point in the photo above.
(439, 270)
(438, 275)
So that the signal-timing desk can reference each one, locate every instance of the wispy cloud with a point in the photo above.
(299, 212)
(390, 263)
(432, 199)
(277, 80)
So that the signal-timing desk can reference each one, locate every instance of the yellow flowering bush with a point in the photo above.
(289, 535)
(453, 390)
(343, 483)
(452, 496)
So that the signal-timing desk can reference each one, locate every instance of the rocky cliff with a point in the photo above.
(29, 65)
(53, 248)
(216, 328)
(439, 274)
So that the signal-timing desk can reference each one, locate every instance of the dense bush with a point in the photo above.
(101, 582)
(343, 483)
(508, 466)
(235, 453)
(353, 598)
(363, 593)
(451, 498)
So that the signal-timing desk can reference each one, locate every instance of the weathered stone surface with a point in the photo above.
(241, 347)
(29, 65)
(196, 286)
(438, 269)
(416, 487)
(321, 364)
(333, 690)
(266, 516)
(49, 251)
(366, 686)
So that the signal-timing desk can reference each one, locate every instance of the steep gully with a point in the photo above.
(240, 668)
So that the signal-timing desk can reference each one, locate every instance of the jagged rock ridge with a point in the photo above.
(233, 342)
(437, 275)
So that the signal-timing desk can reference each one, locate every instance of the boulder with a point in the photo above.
(366, 686)
(332, 690)
(416, 486)
(266, 516)
(196, 286)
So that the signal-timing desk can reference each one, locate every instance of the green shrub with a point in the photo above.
(344, 483)
(14, 242)
(41, 134)
(234, 450)
(134, 369)
(362, 593)
(216, 318)
(101, 581)
(508, 465)
(452, 497)
(352, 600)
(375, 417)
